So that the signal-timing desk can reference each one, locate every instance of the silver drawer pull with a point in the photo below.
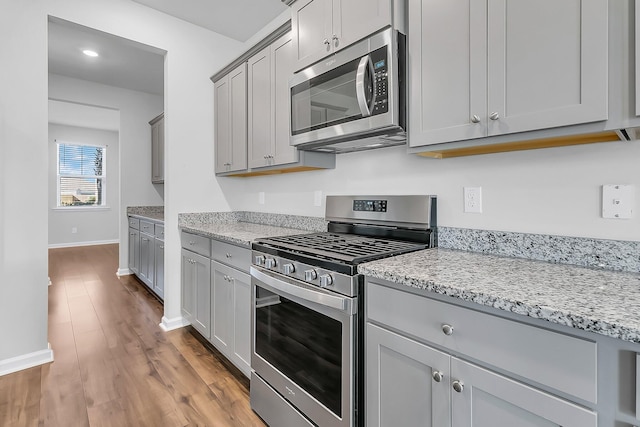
(437, 376)
(228, 255)
(161, 246)
(458, 386)
(192, 243)
(447, 329)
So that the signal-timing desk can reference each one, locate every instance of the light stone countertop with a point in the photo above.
(594, 300)
(155, 213)
(240, 233)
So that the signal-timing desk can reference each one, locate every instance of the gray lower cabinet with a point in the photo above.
(146, 253)
(231, 314)
(158, 283)
(216, 295)
(134, 250)
(418, 370)
(146, 270)
(196, 291)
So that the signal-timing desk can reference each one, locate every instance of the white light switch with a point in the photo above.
(618, 201)
(317, 198)
(261, 197)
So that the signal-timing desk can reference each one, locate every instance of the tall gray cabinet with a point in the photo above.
(157, 149)
(230, 121)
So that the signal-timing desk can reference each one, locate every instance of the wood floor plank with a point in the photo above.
(113, 364)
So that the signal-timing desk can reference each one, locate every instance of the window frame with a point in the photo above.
(103, 177)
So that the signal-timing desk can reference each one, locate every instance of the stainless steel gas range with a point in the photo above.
(307, 317)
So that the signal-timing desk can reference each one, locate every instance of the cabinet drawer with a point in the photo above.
(159, 231)
(559, 361)
(196, 243)
(134, 223)
(232, 255)
(146, 227)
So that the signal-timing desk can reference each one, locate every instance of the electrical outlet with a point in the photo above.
(317, 198)
(74, 230)
(473, 199)
(618, 201)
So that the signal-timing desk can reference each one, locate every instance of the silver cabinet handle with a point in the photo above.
(145, 239)
(161, 246)
(475, 119)
(437, 376)
(192, 243)
(458, 386)
(326, 42)
(447, 329)
(336, 41)
(494, 116)
(228, 255)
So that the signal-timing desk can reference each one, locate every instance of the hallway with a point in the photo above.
(113, 364)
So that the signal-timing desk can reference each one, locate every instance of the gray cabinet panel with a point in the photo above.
(491, 400)
(401, 390)
(282, 63)
(230, 121)
(134, 249)
(196, 291)
(158, 283)
(157, 149)
(242, 321)
(260, 108)
(147, 259)
(222, 304)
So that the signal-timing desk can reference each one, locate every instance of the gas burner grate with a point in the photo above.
(349, 248)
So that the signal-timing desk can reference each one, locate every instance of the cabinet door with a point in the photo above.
(222, 124)
(242, 321)
(157, 152)
(222, 306)
(401, 385)
(547, 63)
(196, 291)
(491, 400)
(188, 286)
(260, 108)
(134, 250)
(147, 259)
(158, 282)
(282, 64)
(311, 21)
(354, 20)
(230, 121)
(447, 54)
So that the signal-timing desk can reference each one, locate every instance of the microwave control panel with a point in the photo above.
(380, 81)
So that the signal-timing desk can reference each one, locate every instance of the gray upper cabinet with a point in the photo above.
(478, 68)
(230, 118)
(321, 27)
(269, 72)
(157, 149)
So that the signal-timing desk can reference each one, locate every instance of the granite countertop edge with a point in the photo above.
(223, 237)
(553, 313)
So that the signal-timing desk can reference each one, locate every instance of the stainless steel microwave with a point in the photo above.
(352, 100)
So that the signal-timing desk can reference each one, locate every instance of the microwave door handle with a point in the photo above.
(361, 94)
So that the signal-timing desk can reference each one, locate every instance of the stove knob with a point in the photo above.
(310, 275)
(326, 280)
(270, 262)
(259, 260)
(289, 268)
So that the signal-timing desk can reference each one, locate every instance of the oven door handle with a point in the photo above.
(288, 287)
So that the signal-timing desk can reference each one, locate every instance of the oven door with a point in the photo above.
(303, 347)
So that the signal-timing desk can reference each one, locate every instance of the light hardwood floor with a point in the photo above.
(113, 365)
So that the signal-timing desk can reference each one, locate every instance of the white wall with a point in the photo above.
(193, 54)
(92, 225)
(550, 191)
(136, 109)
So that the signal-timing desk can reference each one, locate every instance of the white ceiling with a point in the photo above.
(237, 19)
(122, 63)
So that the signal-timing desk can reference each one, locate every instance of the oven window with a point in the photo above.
(326, 100)
(303, 344)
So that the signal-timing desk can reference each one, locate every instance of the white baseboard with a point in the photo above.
(175, 323)
(15, 364)
(77, 244)
(123, 272)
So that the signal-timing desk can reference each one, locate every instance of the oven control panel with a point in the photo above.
(369, 205)
(310, 274)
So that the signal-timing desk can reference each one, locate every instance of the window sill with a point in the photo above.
(81, 208)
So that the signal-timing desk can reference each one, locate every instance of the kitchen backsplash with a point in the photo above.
(598, 253)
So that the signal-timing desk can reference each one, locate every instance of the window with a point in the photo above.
(81, 175)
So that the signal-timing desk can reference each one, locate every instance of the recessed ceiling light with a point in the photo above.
(90, 53)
